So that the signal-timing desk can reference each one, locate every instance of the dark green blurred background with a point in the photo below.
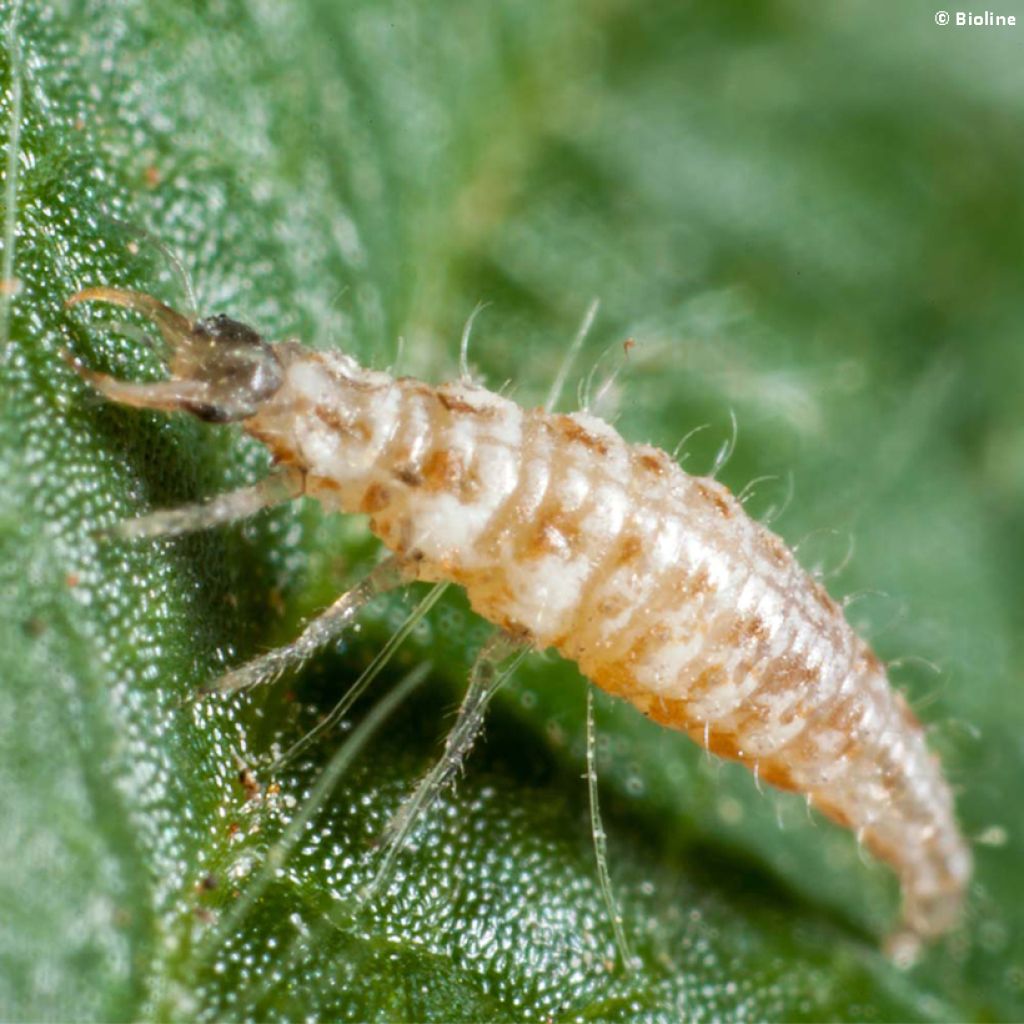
(805, 214)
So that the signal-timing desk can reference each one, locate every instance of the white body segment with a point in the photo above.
(656, 582)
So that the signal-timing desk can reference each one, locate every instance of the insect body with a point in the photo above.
(655, 582)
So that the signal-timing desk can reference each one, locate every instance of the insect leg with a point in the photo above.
(322, 630)
(281, 486)
(485, 680)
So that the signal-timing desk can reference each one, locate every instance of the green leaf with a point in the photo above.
(805, 216)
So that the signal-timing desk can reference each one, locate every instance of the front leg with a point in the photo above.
(280, 486)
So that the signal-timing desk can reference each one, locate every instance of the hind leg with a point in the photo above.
(485, 680)
(321, 631)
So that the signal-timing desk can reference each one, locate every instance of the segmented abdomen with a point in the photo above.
(655, 582)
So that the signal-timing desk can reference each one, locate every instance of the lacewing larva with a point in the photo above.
(655, 582)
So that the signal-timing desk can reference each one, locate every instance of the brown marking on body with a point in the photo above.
(323, 483)
(442, 471)
(612, 607)
(841, 718)
(358, 429)
(616, 676)
(775, 774)
(376, 498)
(650, 639)
(281, 451)
(754, 628)
(776, 549)
(824, 599)
(794, 672)
(710, 679)
(394, 531)
(455, 404)
(723, 744)
(868, 661)
(690, 586)
(745, 631)
(884, 851)
(344, 380)
(652, 460)
(550, 533)
(833, 811)
(408, 476)
(671, 713)
(570, 430)
(325, 414)
(630, 548)
(642, 702)
(545, 540)
(414, 386)
(713, 497)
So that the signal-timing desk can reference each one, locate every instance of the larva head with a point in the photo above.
(221, 370)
